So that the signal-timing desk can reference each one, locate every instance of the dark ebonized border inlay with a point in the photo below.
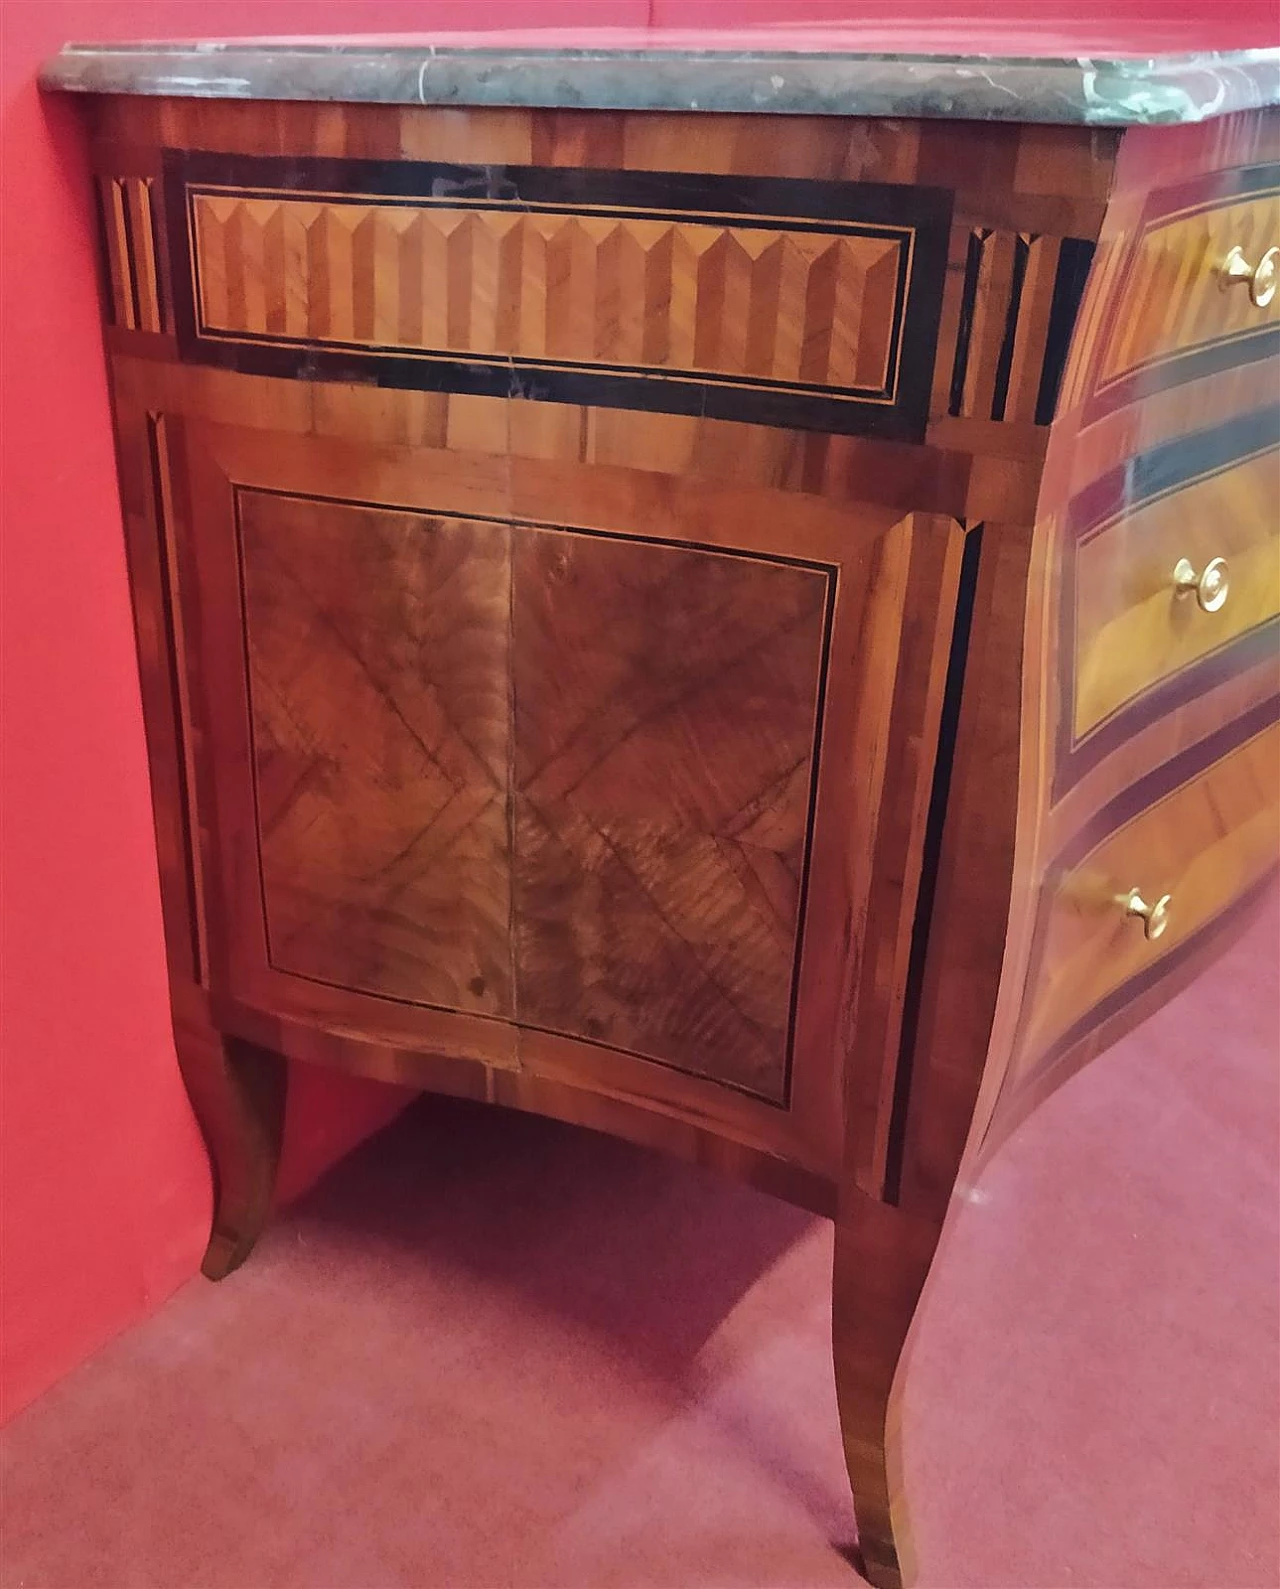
(914, 220)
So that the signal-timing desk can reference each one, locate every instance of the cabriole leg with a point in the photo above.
(238, 1092)
(882, 1257)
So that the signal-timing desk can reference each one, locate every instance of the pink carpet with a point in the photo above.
(492, 1352)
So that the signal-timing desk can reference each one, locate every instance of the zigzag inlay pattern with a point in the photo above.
(804, 307)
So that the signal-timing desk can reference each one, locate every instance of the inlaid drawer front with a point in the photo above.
(1174, 582)
(1200, 276)
(781, 301)
(1170, 582)
(1117, 915)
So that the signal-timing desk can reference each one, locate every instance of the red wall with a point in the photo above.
(104, 1189)
(104, 1201)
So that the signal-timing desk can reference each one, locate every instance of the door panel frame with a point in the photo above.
(887, 565)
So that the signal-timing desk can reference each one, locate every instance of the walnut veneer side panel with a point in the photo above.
(667, 706)
(378, 667)
(642, 716)
(813, 280)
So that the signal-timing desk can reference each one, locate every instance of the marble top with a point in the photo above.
(968, 68)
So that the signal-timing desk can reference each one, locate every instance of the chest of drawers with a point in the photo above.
(755, 632)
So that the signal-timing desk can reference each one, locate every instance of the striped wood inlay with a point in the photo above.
(128, 224)
(1013, 282)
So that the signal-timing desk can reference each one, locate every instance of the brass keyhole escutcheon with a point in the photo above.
(1236, 271)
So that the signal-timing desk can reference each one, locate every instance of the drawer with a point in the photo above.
(772, 301)
(1161, 588)
(1199, 275)
(1188, 857)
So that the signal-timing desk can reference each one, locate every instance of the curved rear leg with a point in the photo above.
(882, 1258)
(238, 1093)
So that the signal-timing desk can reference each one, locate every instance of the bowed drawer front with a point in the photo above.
(1117, 915)
(1182, 585)
(1200, 287)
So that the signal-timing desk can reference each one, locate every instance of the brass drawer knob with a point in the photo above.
(1236, 271)
(1154, 918)
(1210, 586)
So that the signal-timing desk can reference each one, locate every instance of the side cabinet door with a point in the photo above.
(353, 683)
(668, 702)
(713, 894)
(514, 764)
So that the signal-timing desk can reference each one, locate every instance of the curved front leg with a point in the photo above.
(882, 1258)
(238, 1093)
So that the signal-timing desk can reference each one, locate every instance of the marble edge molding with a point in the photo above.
(1118, 92)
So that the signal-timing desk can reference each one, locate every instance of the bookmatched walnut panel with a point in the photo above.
(555, 777)
(484, 779)
(379, 681)
(667, 712)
